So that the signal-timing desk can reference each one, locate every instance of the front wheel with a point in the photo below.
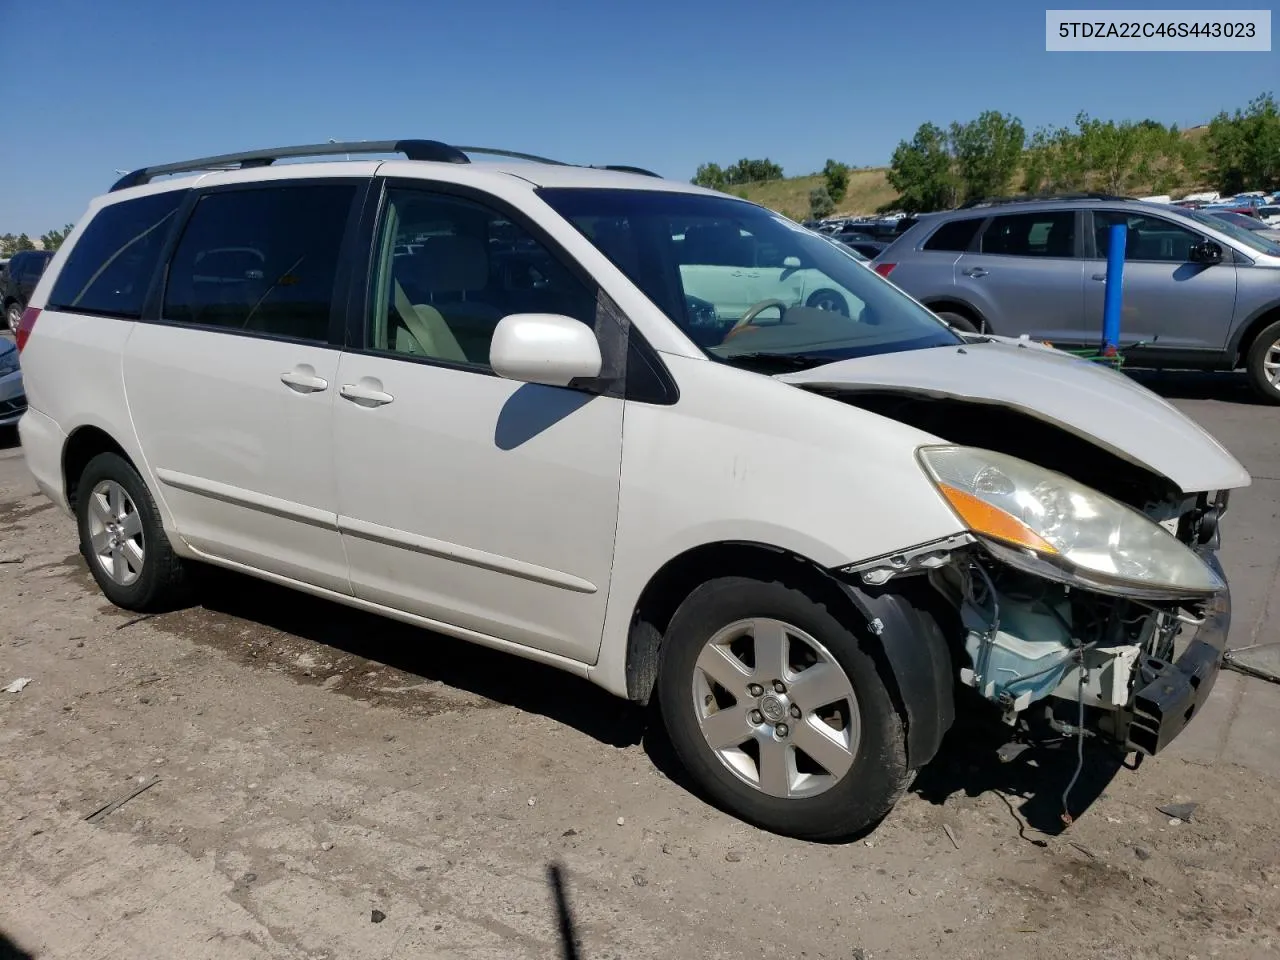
(13, 316)
(1263, 364)
(828, 300)
(778, 712)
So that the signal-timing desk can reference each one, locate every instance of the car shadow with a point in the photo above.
(11, 951)
(8, 438)
(1227, 386)
(978, 757)
(968, 762)
(491, 674)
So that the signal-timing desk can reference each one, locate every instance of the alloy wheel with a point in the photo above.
(115, 533)
(776, 708)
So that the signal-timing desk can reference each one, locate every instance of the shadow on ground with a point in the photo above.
(11, 951)
(1229, 387)
(490, 674)
(1030, 779)
(8, 440)
(968, 762)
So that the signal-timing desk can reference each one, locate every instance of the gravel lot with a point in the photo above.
(336, 786)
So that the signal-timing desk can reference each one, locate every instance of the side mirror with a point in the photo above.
(544, 348)
(1206, 251)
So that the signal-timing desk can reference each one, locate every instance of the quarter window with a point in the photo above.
(1148, 238)
(261, 261)
(111, 265)
(1045, 234)
(449, 269)
(954, 235)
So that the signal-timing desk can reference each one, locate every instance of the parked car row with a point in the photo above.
(18, 281)
(1199, 291)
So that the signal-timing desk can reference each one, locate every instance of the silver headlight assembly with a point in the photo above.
(1050, 525)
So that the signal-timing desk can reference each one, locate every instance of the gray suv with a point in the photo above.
(1198, 291)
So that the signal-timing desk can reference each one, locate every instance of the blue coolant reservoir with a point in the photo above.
(1026, 656)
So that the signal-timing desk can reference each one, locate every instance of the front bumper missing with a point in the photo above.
(1168, 695)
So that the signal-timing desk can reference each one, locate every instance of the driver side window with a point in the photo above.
(449, 269)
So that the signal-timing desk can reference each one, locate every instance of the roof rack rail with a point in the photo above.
(623, 168)
(511, 154)
(1040, 198)
(412, 149)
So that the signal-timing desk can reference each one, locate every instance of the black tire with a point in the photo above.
(1262, 385)
(958, 320)
(162, 582)
(879, 772)
(828, 300)
(13, 316)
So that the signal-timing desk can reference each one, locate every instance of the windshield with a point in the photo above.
(745, 284)
(1248, 238)
(1240, 220)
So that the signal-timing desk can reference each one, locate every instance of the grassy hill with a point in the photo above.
(868, 189)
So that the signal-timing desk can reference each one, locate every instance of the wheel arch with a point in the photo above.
(951, 305)
(83, 444)
(1250, 330)
(901, 627)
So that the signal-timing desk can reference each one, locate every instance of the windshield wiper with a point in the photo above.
(787, 360)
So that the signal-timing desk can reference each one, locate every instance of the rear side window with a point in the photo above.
(108, 270)
(261, 260)
(954, 235)
(1045, 234)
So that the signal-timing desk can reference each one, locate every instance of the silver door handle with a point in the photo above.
(364, 396)
(1099, 276)
(303, 382)
(975, 272)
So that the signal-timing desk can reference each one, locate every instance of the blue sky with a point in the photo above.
(95, 85)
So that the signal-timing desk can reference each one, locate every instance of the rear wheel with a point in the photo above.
(1263, 364)
(123, 541)
(778, 712)
(958, 320)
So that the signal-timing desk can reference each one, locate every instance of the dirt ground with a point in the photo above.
(336, 786)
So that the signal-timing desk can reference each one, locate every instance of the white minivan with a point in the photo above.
(479, 397)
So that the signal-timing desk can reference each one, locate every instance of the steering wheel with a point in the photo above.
(756, 309)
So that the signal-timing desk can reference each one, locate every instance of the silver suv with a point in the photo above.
(1198, 292)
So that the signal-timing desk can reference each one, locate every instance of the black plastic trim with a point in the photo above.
(917, 654)
(412, 149)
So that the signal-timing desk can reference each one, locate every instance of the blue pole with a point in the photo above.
(1115, 281)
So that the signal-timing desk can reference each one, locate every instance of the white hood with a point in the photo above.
(1082, 397)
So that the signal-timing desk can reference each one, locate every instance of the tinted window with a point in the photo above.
(109, 268)
(1149, 238)
(449, 269)
(954, 235)
(262, 261)
(1048, 234)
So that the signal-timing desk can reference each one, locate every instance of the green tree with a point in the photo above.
(8, 245)
(836, 175)
(820, 203)
(54, 238)
(710, 175)
(753, 171)
(23, 243)
(921, 172)
(987, 151)
(1244, 149)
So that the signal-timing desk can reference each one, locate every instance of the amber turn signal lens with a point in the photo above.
(993, 522)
